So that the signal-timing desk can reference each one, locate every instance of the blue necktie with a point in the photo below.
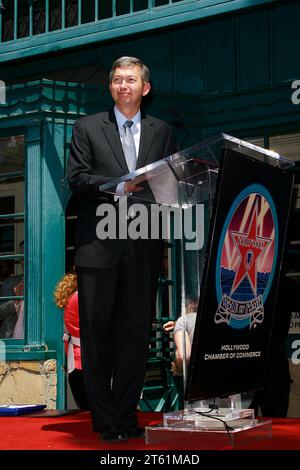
(129, 146)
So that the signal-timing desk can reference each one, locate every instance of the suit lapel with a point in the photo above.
(147, 134)
(111, 132)
(110, 129)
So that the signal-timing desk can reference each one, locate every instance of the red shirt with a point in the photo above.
(71, 320)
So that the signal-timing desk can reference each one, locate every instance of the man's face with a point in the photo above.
(127, 88)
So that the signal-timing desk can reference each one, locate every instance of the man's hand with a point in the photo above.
(131, 187)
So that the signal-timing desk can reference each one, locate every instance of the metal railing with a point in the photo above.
(26, 18)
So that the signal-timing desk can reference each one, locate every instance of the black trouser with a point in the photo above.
(115, 309)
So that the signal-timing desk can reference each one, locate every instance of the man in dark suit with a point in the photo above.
(117, 278)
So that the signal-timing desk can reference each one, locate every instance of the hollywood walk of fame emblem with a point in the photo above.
(246, 259)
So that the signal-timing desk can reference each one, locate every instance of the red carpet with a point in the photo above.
(68, 432)
(74, 432)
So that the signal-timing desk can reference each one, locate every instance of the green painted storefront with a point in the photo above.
(230, 70)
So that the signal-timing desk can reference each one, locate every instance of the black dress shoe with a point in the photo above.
(116, 435)
(135, 431)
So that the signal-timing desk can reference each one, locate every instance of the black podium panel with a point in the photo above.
(240, 278)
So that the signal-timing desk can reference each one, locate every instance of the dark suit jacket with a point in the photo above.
(96, 156)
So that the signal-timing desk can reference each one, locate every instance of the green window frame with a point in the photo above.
(32, 346)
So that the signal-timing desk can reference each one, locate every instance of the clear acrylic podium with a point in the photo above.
(186, 190)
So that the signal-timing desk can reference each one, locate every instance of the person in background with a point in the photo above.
(66, 297)
(177, 328)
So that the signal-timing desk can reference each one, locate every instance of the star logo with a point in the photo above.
(250, 247)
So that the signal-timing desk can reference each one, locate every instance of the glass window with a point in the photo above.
(12, 237)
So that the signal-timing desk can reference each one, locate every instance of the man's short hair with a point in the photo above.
(126, 62)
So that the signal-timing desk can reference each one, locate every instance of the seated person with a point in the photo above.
(177, 328)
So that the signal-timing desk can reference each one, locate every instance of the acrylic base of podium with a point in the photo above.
(190, 430)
